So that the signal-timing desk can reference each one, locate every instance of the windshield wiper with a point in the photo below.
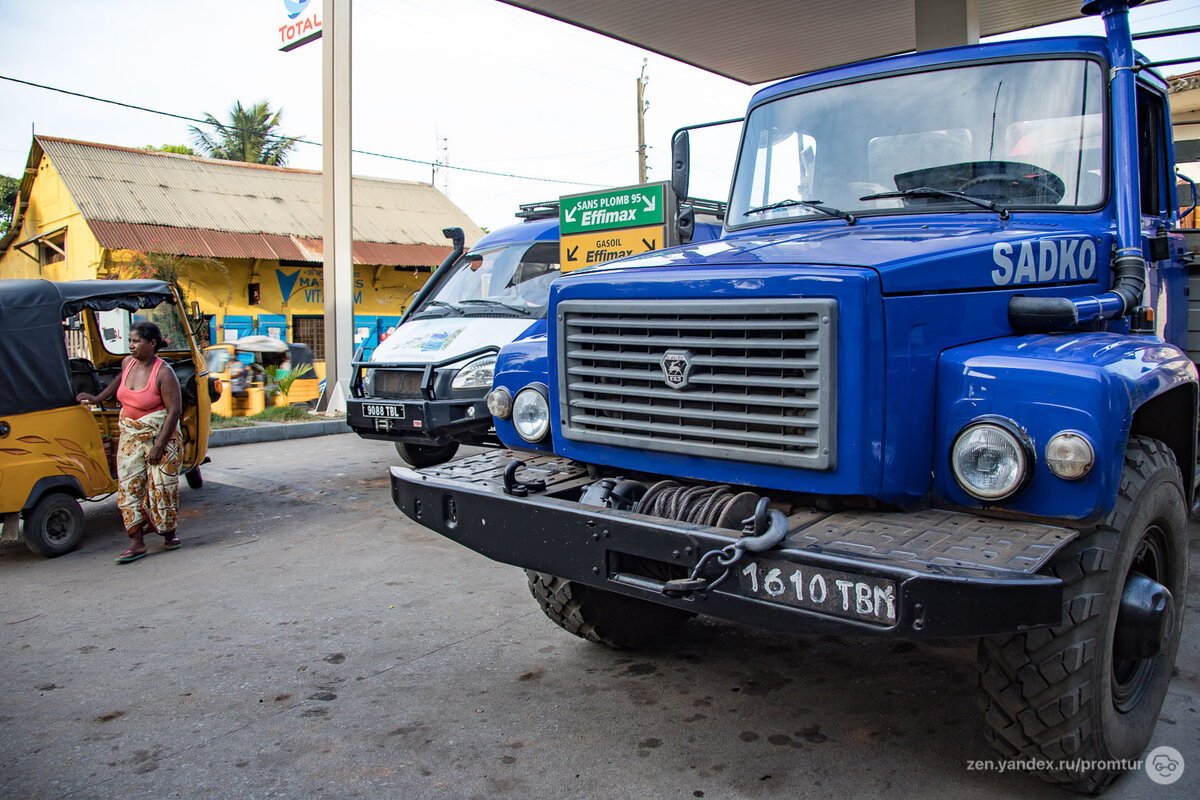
(929, 191)
(494, 303)
(429, 305)
(815, 205)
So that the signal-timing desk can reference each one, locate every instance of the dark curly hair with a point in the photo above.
(150, 332)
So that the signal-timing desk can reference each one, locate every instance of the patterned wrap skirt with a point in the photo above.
(148, 492)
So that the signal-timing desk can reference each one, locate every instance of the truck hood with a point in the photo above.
(426, 341)
(911, 256)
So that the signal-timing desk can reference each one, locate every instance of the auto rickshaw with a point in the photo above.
(60, 339)
(249, 366)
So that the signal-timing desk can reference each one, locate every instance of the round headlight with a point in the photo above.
(990, 461)
(1069, 455)
(531, 414)
(476, 375)
(499, 402)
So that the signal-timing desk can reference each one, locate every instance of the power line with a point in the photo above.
(298, 140)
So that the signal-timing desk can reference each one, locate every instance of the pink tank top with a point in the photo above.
(135, 405)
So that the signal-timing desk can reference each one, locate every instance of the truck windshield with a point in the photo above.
(512, 276)
(1019, 134)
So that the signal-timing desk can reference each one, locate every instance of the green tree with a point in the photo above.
(8, 200)
(181, 149)
(250, 135)
(181, 271)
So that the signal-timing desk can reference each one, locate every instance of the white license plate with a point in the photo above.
(839, 594)
(383, 412)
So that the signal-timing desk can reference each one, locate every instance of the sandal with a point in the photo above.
(171, 542)
(129, 556)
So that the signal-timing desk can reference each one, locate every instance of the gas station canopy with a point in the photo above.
(754, 41)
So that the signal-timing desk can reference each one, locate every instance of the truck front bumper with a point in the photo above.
(419, 421)
(932, 573)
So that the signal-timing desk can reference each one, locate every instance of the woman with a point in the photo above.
(149, 450)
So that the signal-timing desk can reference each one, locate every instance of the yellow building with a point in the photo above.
(244, 239)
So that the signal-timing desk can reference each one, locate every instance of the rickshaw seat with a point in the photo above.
(84, 377)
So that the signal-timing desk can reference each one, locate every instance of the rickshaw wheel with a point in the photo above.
(194, 479)
(54, 526)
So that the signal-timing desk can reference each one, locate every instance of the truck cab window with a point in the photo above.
(1151, 152)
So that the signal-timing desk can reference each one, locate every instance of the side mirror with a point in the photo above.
(680, 158)
(685, 223)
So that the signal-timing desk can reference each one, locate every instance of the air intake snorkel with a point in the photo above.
(1129, 266)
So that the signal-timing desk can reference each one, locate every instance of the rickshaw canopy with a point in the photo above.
(257, 343)
(33, 355)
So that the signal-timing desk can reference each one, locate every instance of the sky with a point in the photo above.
(475, 84)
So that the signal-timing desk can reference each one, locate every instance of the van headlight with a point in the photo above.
(368, 382)
(991, 459)
(477, 374)
(531, 414)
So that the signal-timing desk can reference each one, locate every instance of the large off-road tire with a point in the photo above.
(1061, 694)
(425, 455)
(54, 526)
(624, 623)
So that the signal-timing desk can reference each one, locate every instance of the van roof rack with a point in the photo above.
(716, 208)
(538, 210)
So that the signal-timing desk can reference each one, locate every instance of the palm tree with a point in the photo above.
(250, 136)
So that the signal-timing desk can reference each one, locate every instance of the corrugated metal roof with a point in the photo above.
(754, 41)
(242, 210)
(225, 244)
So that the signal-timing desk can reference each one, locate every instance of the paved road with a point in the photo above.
(307, 642)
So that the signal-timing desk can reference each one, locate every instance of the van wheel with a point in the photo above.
(194, 479)
(54, 526)
(623, 623)
(1084, 696)
(423, 455)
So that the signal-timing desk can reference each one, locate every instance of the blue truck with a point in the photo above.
(929, 382)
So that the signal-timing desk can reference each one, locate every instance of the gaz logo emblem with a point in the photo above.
(676, 366)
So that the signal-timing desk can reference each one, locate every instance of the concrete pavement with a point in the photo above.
(308, 642)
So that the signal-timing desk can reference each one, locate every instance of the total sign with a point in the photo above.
(603, 226)
(301, 25)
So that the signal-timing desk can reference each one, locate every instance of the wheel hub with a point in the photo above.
(1146, 613)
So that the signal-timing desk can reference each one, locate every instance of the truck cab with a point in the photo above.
(929, 382)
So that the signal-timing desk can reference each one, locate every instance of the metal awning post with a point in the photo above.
(336, 205)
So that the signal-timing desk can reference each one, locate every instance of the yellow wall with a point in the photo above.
(288, 291)
(50, 208)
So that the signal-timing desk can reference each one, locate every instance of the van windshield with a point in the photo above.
(511, 278)
(1020, 134)
(114, 327)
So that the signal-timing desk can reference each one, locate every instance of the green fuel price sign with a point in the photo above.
(627, 207)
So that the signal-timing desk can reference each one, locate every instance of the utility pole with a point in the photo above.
(641, 122)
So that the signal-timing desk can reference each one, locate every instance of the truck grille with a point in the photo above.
(395, 384)
(747, 380)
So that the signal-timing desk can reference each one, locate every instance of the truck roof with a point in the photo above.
(1068, 45)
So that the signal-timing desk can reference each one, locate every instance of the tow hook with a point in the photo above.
(760, 533)
(1146, 613)
(515, 489)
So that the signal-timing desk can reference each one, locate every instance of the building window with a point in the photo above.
(310, 331)
(52, 249)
